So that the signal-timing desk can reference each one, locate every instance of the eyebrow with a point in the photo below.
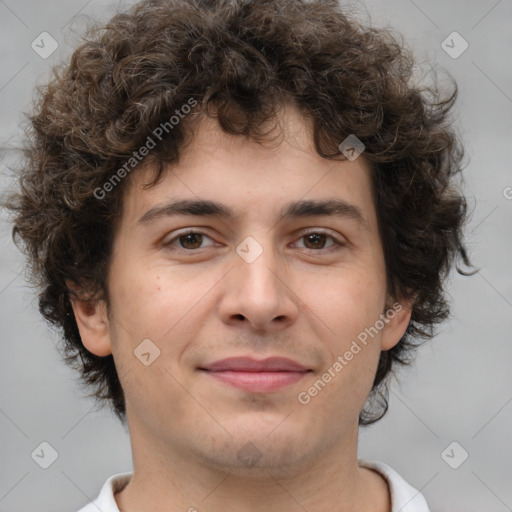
(298, 209)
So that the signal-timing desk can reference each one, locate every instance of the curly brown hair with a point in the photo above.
(239, 60)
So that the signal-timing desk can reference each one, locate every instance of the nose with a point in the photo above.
(259, 293)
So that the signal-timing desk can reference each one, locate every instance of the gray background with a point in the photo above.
(460, 388)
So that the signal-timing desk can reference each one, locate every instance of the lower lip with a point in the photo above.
(258, 382)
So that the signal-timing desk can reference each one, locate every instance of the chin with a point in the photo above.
(257, 451)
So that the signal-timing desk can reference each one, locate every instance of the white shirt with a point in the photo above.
(404, 498)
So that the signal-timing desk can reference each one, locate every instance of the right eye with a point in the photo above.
(188, 240)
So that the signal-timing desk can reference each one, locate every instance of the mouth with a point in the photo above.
(266, 376)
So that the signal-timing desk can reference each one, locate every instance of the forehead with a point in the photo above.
(246, 175)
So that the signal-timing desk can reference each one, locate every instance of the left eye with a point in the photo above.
(314, 240)
(318, 238)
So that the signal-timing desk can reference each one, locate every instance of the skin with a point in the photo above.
(198, 301)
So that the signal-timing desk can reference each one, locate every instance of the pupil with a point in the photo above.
(315, 237)
(189, 238)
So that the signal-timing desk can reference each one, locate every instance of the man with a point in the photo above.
(241, 215)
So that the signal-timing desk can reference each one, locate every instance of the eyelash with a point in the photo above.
(189, 231)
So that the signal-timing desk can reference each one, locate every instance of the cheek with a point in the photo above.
(136, 298)
(163, 304)
(345, 305)
(152, 315)
(346, 301)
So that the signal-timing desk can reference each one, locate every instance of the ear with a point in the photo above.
(396, 319)
(92, 321)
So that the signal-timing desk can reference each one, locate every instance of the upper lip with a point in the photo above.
(248, 364)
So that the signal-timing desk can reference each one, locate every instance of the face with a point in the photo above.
(268, 278)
